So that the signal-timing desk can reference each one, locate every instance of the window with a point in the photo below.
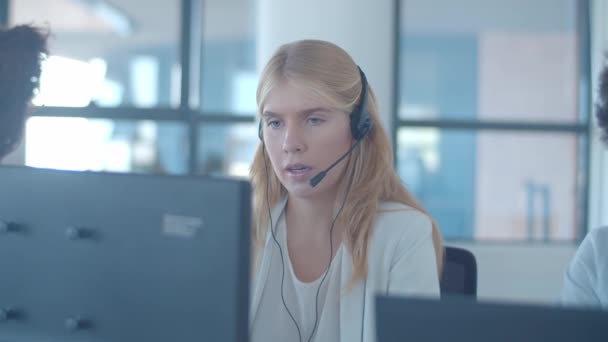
(493, 185)
(77, 143)
(106, 55)
(491, 131)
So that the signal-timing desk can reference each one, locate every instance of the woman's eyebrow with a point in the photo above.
(313, 110)
(269, 114)
(307, 111)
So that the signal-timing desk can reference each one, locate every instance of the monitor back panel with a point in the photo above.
(115, 257)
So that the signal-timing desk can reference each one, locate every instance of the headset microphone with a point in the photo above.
(319, 176)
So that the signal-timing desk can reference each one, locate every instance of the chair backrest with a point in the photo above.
(459, 273)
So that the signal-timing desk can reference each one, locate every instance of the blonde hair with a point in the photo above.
(330, 73)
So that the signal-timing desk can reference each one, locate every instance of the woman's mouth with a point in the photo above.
(298, 171)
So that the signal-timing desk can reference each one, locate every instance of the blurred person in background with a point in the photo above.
(586, 280)
(22, 49)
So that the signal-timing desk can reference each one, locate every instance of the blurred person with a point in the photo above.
(586, 280)
(22, 49)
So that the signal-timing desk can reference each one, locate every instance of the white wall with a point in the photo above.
(520, 272)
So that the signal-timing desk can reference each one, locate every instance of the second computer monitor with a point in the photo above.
(462, 319)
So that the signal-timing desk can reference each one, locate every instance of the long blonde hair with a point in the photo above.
(329, 72)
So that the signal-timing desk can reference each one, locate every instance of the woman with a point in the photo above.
(21, 51)
(334, 226)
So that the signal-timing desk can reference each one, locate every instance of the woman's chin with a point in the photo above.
(300, 189)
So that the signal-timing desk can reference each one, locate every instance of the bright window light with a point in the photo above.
(77, 144)
(67, 82)
(144, 72)
(244, 86)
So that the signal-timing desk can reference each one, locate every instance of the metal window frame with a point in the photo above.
(582, 130)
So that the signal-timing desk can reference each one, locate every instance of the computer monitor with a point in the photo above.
(461, 319)
(120, 257)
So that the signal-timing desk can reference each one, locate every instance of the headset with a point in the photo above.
(360, 126)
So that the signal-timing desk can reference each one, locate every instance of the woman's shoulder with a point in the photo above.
(599, 235)
(597, 240)
(398, 230)
(593, 250)
(396, 219)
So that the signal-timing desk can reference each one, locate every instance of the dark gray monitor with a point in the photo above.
(461, 319)
(120, 257)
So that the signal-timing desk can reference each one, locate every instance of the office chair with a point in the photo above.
(459, 273)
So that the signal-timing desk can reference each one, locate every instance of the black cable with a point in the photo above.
(277, 243)
(281, 250)
(363, 312)
(331, 248)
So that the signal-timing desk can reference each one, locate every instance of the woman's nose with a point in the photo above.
(294, 140)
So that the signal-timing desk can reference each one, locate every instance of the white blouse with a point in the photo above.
(273, 323)
(586, 280)
(401, 261)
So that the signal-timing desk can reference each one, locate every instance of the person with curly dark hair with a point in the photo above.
(601, 108)
(22, 49)
(586, 280)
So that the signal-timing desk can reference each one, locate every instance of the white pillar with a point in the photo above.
(363, 28)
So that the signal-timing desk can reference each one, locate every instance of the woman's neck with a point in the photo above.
(310, 217)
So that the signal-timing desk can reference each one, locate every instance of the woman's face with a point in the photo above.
(304, 136)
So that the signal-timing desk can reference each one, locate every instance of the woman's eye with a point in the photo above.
(274, 123)
(315, 121)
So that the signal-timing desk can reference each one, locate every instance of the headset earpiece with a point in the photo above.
(260, 133)
(360, 119)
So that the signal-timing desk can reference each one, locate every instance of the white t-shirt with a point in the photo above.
(273, 323)
(586, 280)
